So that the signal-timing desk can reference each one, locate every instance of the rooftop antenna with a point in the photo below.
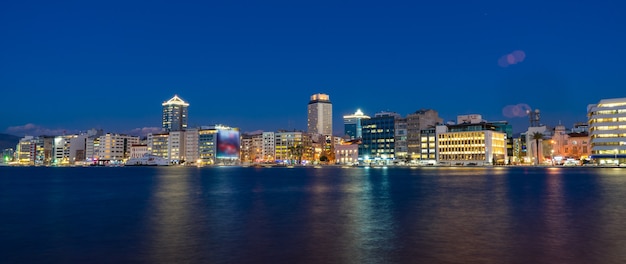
(534, 117)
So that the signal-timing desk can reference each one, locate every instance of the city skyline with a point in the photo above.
(69, 67)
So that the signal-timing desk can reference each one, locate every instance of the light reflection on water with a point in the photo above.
(305, 215)
(173, 217)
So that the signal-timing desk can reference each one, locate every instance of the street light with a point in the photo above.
(616, 160)
(552, 151)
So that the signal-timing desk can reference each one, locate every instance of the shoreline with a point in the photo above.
(322, 166)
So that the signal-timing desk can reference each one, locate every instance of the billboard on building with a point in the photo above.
(228, 144)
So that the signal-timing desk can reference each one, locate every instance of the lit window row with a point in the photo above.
(608, 127)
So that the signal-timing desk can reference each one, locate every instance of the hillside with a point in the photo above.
(8, 141)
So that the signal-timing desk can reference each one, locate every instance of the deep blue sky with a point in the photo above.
(108, 64)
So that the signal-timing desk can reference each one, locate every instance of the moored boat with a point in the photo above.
(147, 160)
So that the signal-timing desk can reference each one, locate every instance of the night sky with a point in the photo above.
(110, 64)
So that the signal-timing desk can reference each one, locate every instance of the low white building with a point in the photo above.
(138, 151)
(347, 154)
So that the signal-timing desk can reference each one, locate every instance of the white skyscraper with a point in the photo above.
(320, 115)
(607, 130)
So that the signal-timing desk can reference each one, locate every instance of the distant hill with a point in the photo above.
(8, 141)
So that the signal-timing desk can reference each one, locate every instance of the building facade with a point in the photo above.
(175, 114)
(353, 128)
(400, 141)
(115, 148)
(568, 148)
(293, 147)
(191, 147)
(251, 148)
(607, 131)
(474, 144)
(320, 115)
(268, 150)
(428, 147)
(158, 144)
(347, 153)
(416, 122)
(378, 142)
(138, 151)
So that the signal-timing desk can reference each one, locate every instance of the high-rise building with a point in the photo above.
(607, 131)
(352, 124)
(175, 114)
(401, 146)
(269, 147)
(320, 115)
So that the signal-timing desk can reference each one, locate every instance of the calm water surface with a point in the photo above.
(306, 215)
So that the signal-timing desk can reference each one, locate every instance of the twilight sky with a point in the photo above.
(75, 65)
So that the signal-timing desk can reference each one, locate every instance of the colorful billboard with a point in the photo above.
(227, 144)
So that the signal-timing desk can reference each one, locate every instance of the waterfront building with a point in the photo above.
(218, 145)
(400, 140)
(158, 144)
(428, 147)
(293, 147)
(352, 124)
(207, 141)
(505, 127)
(470, 144)
(569, 146)
(7, 156)
(607, 131)
(92, 149)
(519, 151)
(320, 115)
(422, 119)
(535, 152)
(191, 147)
(25, 151)
(43, 150)
(176, 147)
(92, 145)
(251, 147)
(378, 142)
(138, 151)
(78, 148)
(115, 148)
(322, 147)
(347, 153)
(246, 148)
(61, 149)
(257, 148)
(175, 114)
(269, 147)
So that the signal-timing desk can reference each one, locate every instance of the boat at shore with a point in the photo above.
(147, 160)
